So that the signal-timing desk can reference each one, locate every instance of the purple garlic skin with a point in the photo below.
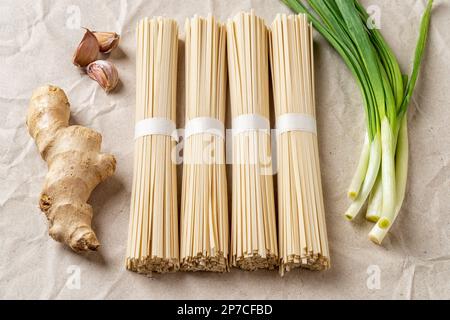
(87, 50)
(105, 73)
(107, 41)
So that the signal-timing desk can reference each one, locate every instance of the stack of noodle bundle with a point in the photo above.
(301, 219)
(153, 234)
(253, 230)
(204, 208)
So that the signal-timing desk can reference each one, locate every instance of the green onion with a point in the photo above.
(375, 202)
(381, 174)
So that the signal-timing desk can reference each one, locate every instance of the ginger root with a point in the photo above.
(75, 168)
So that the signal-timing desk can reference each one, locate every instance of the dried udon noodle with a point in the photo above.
(204, 205)
(253, 225)
(153, 231)
(301, 218)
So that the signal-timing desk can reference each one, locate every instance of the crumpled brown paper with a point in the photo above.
(37, 39)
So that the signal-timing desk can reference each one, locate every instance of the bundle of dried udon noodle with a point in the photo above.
(301, 218)
(153, 234)
(204, 208)
(253, 227)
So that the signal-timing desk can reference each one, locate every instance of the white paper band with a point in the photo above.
(156, 126)
(204, 125)
(250, 122)
(296, 122)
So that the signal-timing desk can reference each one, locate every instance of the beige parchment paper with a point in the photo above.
(37, 39)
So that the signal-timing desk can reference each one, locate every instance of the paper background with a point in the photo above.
(37, 39)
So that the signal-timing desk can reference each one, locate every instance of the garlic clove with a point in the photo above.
(87, 50)
(107, 41)
(105, 73)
